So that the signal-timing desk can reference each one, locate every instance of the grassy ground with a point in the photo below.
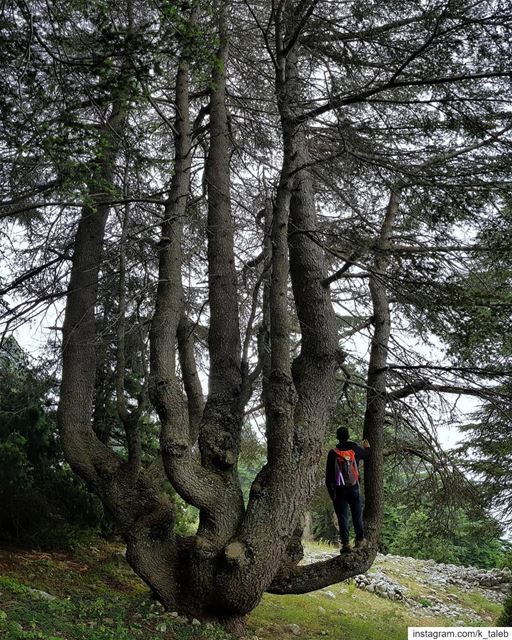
(97, 597)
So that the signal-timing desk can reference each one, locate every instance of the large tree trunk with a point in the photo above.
(238, 553)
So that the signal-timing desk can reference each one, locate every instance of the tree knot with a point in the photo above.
(174, 448)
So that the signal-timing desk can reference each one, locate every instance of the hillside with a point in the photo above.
(93, 595)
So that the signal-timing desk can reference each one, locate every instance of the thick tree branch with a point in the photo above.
(326, 282)
(297, 400)
(422, 385)
(310, 577)
(89, 457)
(299, 28)
(33, 272)
(221, 427)
(188, 477)
(344, 100)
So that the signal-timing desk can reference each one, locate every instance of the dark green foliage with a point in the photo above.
(506, 617)
(487, 452)
(440, 517)
(187, 516)
(483, 337)
(43, 503)
(323, 525)
(457, 540)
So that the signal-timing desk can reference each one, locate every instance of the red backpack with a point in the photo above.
(346, 472)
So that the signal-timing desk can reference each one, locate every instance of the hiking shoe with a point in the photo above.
(346, 548)
(361, 543)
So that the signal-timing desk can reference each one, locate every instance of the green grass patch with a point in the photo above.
(485, 608)
(321, 546)
(354, 615)
(102, 600)
(98, 597)
(118, 618)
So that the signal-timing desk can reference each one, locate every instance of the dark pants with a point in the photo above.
(345, 498)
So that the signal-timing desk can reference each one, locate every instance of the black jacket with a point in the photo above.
(330, 477)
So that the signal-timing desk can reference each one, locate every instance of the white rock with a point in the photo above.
(118, 558)
(195, 622)
(329, 594)
(321, 610)
(42, 594)
(292, 628)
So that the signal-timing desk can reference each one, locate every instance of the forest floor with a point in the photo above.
(92, 594)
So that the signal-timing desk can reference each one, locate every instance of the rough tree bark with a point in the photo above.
(376, 396)
(238, 552)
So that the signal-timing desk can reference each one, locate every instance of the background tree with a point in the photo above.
(44, 503)
(483, 339)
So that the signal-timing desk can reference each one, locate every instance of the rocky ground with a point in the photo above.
(92, 594)
(425, 584)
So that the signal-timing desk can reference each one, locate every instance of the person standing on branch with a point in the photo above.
(342, 482)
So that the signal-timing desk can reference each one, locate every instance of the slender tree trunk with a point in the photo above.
(376, 399)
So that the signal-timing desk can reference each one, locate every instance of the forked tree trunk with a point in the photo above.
(239, 552)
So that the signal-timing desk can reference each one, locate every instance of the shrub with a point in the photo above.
(506, 617)
(43, 503)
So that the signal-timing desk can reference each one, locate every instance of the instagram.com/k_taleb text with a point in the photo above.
(468, 633)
